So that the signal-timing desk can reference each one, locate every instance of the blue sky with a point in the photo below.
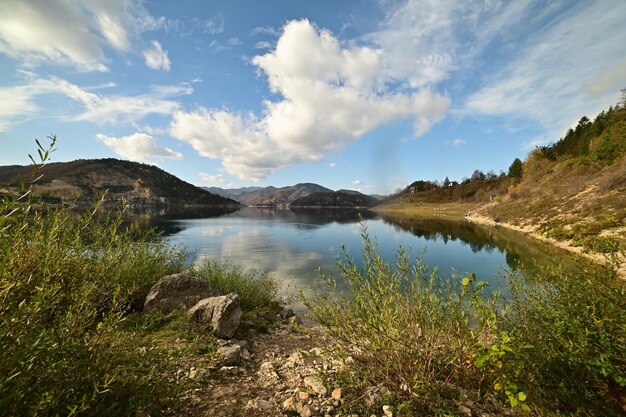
(368, 95)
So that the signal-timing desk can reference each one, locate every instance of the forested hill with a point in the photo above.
(336, 199)
(572, 190)
(87, 180)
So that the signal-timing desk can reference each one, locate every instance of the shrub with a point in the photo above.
(555, 343)
(429, 341)
(259, 293)
(65, 283)
(576, 324)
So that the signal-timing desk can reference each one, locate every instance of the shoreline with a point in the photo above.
(471, 212)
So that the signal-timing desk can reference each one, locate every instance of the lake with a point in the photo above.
(293, 244)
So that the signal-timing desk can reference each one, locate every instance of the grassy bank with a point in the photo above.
(426, 210)
(428, 346)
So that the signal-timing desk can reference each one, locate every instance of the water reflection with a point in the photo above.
(293, 244)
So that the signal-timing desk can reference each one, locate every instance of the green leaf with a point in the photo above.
(465, 281)
(526, 408)
(521, 396)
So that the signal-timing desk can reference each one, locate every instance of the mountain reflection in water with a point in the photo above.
(293, 244)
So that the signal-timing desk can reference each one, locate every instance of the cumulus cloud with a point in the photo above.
(156, 58)
(357, 182)
(216, 180)
(332, 164)
(52, 30)
(138, 147)
(330, 96)
(73, 32)
(18, 102)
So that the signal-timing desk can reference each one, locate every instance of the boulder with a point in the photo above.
(177, 292)
(222, 314)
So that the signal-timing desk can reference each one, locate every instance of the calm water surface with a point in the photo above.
(292, 244)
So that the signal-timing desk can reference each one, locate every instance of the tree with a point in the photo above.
(478, 175)
(446, 183)
(516, 169)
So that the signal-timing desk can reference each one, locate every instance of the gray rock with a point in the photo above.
(177, 292)
(316, 385)
(285, 313)
(230, 354)
(222, 314)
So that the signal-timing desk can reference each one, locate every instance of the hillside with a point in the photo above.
(85, 181)
(272, 196)
(573, 190)
(336, 199)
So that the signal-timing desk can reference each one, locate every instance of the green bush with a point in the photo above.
(428, 340)
(65, 282)
(576, 324)
(556, 342)
(259, 293)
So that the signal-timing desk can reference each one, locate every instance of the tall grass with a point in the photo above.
(65, 282)
(441, 347)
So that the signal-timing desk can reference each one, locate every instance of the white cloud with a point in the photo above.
(330, 97)
(573, 66)
(266, 30)
(17, 102)
(74, 32)
(212, 26)
(357, 182)
(332, 164)
(456, 142)
(138, 147)
(156, 58)
(54, 30)
(262, 45)
(216, 180)
(424, 41)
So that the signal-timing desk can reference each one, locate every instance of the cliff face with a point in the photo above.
(87, 180)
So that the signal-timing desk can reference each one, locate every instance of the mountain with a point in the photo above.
(272, 196)
(85, 181)
(232, 193)
(342, 198)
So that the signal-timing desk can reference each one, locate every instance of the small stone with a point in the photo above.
(259, 404)
(193, 372)
(295, 359)
(336, 394)
(230, 354)
(316, 385)
(294, 320)
(289, 404)
(245, 354)
(387, 410)
(303, 396)
(305, 411)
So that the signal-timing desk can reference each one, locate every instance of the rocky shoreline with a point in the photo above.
(282, 372)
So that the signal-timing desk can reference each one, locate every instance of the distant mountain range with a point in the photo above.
(142, 185)
(84, 181)
(270, 196)
(342, 198)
